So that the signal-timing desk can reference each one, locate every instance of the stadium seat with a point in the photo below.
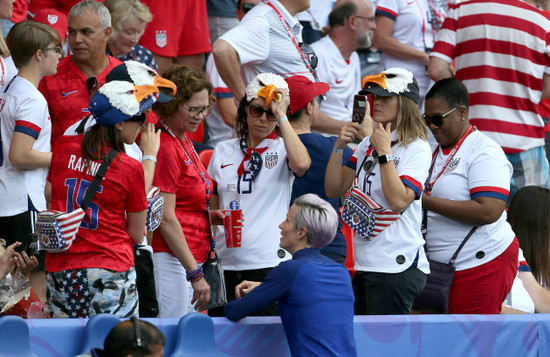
(14, 337)
(97, 328)
(205, 156)
(195, 337)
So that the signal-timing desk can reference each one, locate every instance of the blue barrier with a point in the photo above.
(414, 335)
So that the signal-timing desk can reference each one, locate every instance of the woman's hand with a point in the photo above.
(245, 287)
(201, 294)
(217, 217)
(348, 133)
(150, 140)
(381, 139)
(8, 259)
(280, 107)
(25, 264)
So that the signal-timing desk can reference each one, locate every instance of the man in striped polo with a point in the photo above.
(502, 52)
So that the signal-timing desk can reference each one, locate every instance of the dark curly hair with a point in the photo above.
(189, 80)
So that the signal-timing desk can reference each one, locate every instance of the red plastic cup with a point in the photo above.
(233, 223)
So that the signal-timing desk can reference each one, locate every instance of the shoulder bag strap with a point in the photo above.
(453, 258)
(98, 177)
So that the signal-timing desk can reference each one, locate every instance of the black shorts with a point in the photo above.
(19, 228)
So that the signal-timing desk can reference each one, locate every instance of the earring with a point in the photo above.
(461, 119)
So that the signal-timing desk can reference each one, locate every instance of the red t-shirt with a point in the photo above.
(67, 94)
(176, 174)
(101, 241)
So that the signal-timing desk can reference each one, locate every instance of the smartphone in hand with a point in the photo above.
(359, 108)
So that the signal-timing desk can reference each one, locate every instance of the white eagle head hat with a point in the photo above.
(265, 85)
(393, 81)
(117, 101)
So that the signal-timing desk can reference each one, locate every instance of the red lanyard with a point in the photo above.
(429, 186)
(285, 24)
(201, 173)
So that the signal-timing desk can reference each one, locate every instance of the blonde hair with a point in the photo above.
(4, 51)
(410, 124)
(122, 10)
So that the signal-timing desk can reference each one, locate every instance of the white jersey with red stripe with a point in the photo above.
(264, 45)
(478, 169)
(502, 51)
(343, 77)
(23, 109)
(397, 246)
(264, 201)
(218, 130)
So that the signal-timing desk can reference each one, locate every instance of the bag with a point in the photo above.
(213, 274)
(435, 296)
(365, 216)
(57, 230)
(155, 204)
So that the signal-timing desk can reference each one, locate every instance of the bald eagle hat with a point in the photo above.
(118, 101)
(393, 81)
(265, 85)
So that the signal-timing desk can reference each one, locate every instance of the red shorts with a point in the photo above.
(481, 290)
(179, 28)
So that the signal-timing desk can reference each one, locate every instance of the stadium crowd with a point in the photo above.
(111, 109)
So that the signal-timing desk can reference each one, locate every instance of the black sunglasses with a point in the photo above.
(308, 52)
(257, 112)
(371, 162)
(437, 120)
(246, 7)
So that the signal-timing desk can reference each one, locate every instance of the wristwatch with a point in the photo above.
(382, 159)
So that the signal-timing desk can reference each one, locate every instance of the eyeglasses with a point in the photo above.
(257, 112)
(56, 49)
(92, 84)
(196, 111)
(308, 52)
(246, 7)
(371, 162)
(437, 120)
(371, 19)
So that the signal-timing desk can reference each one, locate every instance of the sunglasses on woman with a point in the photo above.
(257, 111)
(437, 120)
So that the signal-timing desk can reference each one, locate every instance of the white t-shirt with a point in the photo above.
(317, 13)
(218, 130)
(395, 248)
(412, 28)
(264, 45)
(264, 201)
(23, 109)
(343, 78)
(478, 169)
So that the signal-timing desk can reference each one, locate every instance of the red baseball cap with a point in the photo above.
(55, 19)
(302, 91)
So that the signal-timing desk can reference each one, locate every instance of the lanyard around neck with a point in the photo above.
(191, 158)
(429, 185)
(287, 28)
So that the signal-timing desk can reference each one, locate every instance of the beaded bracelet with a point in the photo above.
(195, 275)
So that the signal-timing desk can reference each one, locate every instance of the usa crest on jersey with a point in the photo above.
(161, 38)
(271, 160)
(52, 19)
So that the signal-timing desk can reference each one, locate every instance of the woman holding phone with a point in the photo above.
(391, 165)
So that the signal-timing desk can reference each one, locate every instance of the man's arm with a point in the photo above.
(439, 69)
(229, 67)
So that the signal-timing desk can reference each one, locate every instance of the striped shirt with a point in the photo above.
(502, 51)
